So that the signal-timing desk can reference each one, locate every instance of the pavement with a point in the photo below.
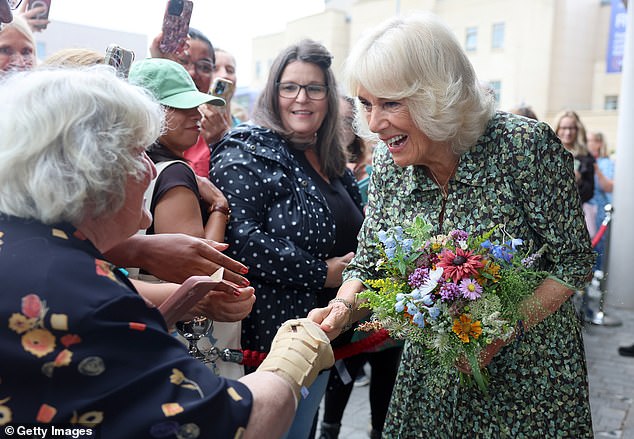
(610, 376)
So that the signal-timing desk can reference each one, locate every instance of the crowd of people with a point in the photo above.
(131, 186)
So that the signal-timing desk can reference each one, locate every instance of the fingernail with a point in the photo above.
(245, 283)
(244, 270)
(236, 293)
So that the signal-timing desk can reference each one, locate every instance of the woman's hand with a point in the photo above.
(210, 193)
(30, 16)
(214, 124)
(222, 306)
(331, 319)
(336, 266)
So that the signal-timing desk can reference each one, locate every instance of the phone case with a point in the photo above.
(187, 295)
(221, 87)
(175, 25)
(119, 58)
(42, 15)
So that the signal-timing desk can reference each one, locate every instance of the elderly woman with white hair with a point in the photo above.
(79, 346)
(17, 46)
(446, 153)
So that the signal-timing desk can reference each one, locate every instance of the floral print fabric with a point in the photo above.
(517, 176)
(80, 346)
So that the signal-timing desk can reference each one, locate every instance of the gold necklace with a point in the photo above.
(444, 188)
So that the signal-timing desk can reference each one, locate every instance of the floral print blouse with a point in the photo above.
(80, 347)
(517, 175)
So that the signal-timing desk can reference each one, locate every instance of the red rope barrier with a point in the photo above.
(599, 235)
(255, 358)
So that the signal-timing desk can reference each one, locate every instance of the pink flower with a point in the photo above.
(459, 265)
(31, 306)
(470, 289)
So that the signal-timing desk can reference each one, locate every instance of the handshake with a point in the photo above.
(300, 350)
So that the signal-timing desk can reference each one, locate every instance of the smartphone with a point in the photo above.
(46, 4)
(187, 295)
(221, 87)
(119, 58)
(175, 25)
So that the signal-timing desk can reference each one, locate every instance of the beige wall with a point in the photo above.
(553, 55)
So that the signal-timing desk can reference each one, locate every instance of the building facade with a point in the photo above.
(549, 54)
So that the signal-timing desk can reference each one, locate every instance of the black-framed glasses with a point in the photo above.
(203, 67)
(13, 4)
(291, 90)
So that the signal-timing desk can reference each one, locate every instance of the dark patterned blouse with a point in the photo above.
(283, 227)
(520, 177)
(80, 347)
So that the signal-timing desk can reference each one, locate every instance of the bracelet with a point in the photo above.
(220, 208)
(348, 305)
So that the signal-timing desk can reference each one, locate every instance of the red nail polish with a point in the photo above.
(244, 270)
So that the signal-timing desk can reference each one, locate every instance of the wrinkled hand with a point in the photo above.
(210, 193)
(214, 123)
(486, 356)
(336, 266)
(224, 306)
(331, 319)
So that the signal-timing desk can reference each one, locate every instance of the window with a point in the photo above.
(611, 103)
(495, 87)
(497, 36)
(258, 69)
(471, 42)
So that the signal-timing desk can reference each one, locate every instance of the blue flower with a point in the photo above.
(428, 299)
(419, 319)
(406, 245)
(399, 306)
(389, 252)
(382, 236)
(434, 312)
(411, 308)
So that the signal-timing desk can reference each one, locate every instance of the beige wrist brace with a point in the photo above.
(300, 350)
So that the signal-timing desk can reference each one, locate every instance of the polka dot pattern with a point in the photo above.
(281, 228)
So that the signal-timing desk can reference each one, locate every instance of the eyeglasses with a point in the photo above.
(202, 67)
(13, 4)
(290, 90)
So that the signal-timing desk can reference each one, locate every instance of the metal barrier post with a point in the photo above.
(600, 317)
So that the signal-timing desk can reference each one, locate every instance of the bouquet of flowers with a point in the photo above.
(453, 293)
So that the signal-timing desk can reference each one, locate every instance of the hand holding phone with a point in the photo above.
(221, 87)
(187, 295)
(43, 15)
(176, 25)
(119, 58)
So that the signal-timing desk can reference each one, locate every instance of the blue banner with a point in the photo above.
(616, 38)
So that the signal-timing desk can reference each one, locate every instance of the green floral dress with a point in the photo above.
(520, 177)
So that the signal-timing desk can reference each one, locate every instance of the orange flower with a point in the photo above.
(63, 358)
(465, 328)
(39, 342)
(171, 408)
(104, 269)
(46, 413)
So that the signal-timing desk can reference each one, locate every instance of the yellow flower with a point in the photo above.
(176, 377)
(88, 419)
(5, 413)
(39, 342)
(20, 323)
(465, 328)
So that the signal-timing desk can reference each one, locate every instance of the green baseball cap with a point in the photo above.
(170, 83)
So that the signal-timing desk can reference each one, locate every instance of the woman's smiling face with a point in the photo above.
(302, 115)
(393, 123)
